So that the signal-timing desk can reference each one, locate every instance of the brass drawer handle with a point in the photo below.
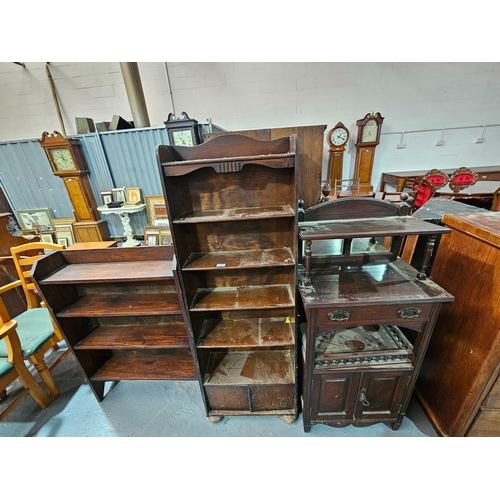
(362, 398)
(409, 312)
(339, 315)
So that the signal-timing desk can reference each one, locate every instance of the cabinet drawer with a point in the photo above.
(390, 313)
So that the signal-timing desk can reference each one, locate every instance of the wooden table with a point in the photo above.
(398, 179)
(481, 189)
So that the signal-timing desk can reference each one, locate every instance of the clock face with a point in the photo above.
(370, 131)
(62, 159)
(182, 138)
(339, 136)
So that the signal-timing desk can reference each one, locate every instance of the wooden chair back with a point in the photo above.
(424, 192)
(437, 178)
(24, 257)
(346, 185)
(462, 178)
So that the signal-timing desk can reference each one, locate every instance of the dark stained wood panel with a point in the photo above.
(136, 337)
(119, 305)
(154, 367)
(248, 332)
(254, 367)
(239, 259)
(104, 272)
(243, 297)
(235, 214)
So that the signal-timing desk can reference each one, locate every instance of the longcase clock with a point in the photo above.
(337, 139)
(68, 162)
(369, 129)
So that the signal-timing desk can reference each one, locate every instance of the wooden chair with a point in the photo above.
(437, 178)
(346, 185)
(424, 192)
(46, 335)
(12, 367)
(495, 206)
(462, 178)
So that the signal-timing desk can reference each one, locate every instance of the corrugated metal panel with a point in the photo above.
(131, 156)
(122, 158)
(28, 181)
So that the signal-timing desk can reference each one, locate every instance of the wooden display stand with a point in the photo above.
(119, 311)
(366, 315)
(232, 209)
(458, 385)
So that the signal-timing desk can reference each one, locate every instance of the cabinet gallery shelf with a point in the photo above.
(247, 333)
(232, 214)
(240, 259)
(148, 367)
(138, 337)
(150, 304)
(243, 297)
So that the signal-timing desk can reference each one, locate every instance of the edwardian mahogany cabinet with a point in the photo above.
(366, 316)
(232, 210)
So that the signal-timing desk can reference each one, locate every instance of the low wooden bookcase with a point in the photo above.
(119, 312)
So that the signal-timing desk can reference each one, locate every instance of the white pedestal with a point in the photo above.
(124, 213)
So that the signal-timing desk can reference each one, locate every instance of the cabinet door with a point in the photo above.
(334, 396)
(381, 394)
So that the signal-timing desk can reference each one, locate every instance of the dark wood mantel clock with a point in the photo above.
(369, 129)
(182, 131)
(68, 162)
(337, 139)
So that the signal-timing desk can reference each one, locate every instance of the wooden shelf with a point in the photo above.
(233, 214)
(110, 271)
(271, 257)
(243, 297)
(247, 333)
(254, 367)
(153, 367)
(136, 337)
(151, 304)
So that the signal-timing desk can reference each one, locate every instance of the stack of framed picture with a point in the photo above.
(157, 232)
(39, 222)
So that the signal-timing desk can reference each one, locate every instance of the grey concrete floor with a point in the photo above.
(165, 409)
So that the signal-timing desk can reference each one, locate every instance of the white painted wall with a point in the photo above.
(249, 95)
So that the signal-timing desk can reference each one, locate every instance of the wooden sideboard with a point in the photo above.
(458, 384)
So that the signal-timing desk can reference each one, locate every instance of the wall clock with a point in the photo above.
(337, 139)
(182, 131)
(68, 162)
(369, 129)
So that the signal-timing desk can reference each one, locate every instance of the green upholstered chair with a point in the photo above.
(12, 367)
(36, 333)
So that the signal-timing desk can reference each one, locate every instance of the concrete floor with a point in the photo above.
(163, 409)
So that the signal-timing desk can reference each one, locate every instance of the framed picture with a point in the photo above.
(63, 241)
(29, 233)
(65, 232)
(156, 209)
(134, 196)
(165, 237)
(63, 221)
(106, 196)
(119, 194)
(47, 237)
(151, 236)
(38, 219)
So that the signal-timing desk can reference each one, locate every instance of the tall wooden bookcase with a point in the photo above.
(233, 215)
